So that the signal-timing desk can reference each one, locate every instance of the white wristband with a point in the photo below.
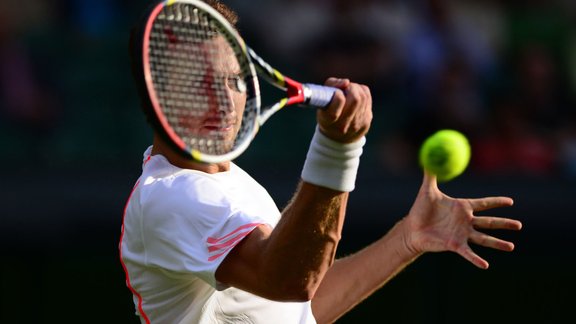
(332, 164)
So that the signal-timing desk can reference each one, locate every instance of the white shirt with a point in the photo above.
(178, 226)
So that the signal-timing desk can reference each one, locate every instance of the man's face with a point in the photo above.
(225, 91)
(218, 96)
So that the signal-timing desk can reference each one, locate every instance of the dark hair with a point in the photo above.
(224, 10)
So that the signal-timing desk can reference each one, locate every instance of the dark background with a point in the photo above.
(502, 72)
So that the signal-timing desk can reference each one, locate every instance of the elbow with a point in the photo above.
(292, 297)
(303, 294)
(302, 290)
(297, 284)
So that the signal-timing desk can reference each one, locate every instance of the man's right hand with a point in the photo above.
(347, 119)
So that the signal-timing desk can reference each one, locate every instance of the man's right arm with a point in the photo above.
(288, 263)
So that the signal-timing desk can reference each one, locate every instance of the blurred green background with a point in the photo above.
(502, 72)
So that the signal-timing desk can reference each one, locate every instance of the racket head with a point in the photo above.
(197, 83)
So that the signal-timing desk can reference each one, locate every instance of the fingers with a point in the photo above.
(349, 115)
(337, 104)
(347, 104)
(491, 242)
(490, 202)
(337, 83)
(486, 222)
(451, 224)
(488, 241)
(474, 258)
(493, 223)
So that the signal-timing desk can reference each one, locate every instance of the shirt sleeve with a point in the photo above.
(191, 224)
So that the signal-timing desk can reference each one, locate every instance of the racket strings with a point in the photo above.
(198, 69)
(191, 91)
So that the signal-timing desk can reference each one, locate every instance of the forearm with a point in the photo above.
(352, 279)
(303, 245)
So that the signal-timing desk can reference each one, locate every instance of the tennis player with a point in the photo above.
(205, 243)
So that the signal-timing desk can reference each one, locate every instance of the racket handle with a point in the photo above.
(318, 95)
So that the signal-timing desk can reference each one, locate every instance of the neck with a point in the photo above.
(162, 148)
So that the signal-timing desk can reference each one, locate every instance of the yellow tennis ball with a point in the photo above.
(446, 154)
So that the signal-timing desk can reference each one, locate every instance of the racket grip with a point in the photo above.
(318, 95)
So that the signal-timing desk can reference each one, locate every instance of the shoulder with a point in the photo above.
(163, 181)
(182, 190)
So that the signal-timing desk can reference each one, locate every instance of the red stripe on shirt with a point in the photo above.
(232, 241)
(222, 248)
(213, 240)
(134, 292)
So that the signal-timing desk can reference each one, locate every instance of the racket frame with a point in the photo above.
(296, 92)
(140, 42)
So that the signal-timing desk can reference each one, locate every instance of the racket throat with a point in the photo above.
(295, 92)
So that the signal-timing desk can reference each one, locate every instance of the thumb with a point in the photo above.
(429, 182)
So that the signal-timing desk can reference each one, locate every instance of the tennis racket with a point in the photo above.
(199, 81)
